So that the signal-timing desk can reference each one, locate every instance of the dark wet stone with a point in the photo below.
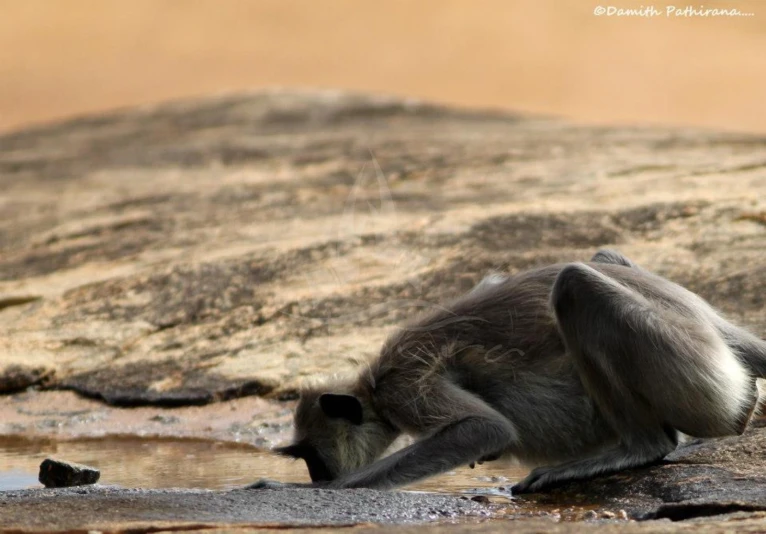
(61, 474)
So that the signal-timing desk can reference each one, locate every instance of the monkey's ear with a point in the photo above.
(345, 407)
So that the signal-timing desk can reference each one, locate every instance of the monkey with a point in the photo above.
(582, 369)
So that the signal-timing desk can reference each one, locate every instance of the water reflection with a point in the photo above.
(185, 463)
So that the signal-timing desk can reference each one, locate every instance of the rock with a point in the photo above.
(99, 507)
(132, 510)
(18, 377)
(61, 474)
(210, 249)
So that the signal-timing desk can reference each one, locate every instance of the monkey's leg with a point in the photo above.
(606, 255)
(474, 430)
(648, 370)
(645, 365)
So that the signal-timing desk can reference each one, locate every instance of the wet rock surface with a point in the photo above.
(60, 474)
(720, 482)
(94, 507)
(65, 415)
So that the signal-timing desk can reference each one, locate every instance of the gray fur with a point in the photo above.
(612, 256)
(589, 368)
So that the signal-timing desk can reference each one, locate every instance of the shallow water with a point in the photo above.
(188, 463)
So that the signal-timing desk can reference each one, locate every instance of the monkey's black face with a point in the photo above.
(318, 470)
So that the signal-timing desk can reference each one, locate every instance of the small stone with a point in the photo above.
(61, 474)
(483, 499)
(622, 514)
(606, 514)
(590, 515)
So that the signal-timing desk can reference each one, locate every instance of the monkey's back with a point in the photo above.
(508, 325)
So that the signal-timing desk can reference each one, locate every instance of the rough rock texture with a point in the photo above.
(61, 474)
(48, 416)
(732, 524)
(214, 249)
(211, 249)
(97, 507)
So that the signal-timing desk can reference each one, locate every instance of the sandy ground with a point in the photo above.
(549, 56)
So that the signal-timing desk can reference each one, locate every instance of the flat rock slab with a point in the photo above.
(754, 524)
(98, 507)
(217, 248)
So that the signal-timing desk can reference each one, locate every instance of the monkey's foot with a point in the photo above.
(538, 480)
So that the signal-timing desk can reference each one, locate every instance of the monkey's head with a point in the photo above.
(335, 434)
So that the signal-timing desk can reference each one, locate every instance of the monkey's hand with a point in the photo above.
(266, 483)
(539, 479)
(487, 458)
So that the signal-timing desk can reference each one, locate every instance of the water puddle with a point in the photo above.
(190, 463)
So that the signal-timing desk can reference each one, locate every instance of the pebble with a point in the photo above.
(61, 474)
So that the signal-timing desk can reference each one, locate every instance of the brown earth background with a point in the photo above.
(547, 56)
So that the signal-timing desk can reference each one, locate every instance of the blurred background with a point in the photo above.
(65, 57)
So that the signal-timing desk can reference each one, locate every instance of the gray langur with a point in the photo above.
(584, 368)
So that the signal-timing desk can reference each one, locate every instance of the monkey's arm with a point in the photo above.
(455, 445)
(473, 430)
